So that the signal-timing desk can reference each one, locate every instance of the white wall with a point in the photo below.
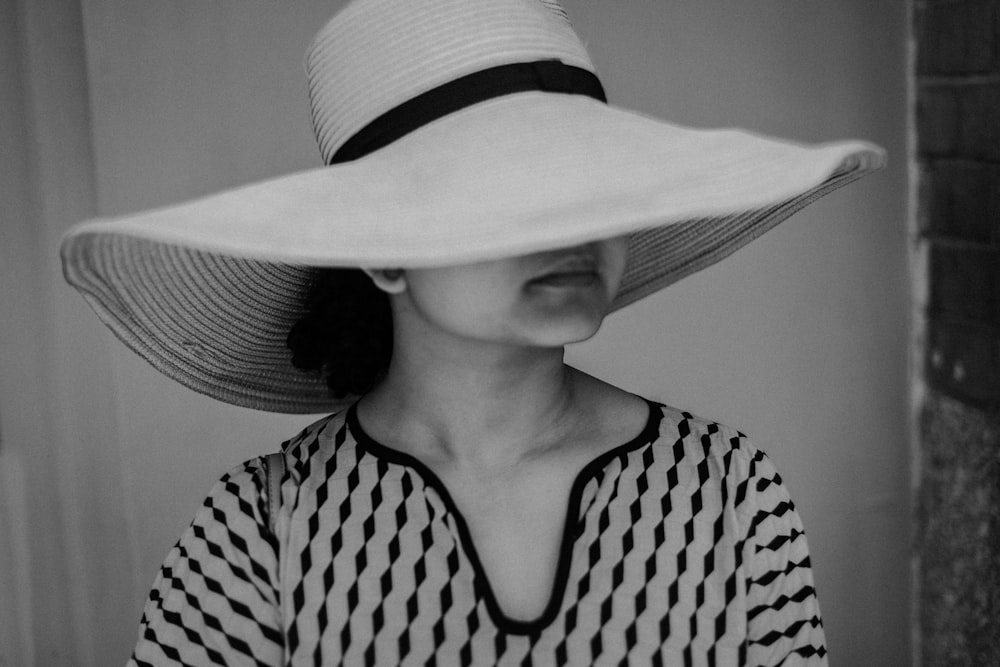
(798, 340)
(64, 540)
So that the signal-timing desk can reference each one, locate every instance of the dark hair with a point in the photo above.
(346, 332)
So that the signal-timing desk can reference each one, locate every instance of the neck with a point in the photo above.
(472, 403)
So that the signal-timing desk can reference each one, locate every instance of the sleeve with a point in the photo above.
(215, 599)
(784, 625)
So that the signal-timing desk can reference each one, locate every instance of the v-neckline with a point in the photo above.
(501, 620)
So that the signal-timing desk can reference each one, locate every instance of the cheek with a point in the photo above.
(466, 303)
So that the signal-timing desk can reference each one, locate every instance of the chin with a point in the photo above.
(566, 331)
(554, 322)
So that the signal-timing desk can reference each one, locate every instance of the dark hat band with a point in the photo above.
(545, 75)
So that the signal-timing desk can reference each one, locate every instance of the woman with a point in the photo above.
(472, 500)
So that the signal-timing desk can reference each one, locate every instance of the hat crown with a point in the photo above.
(376, 54)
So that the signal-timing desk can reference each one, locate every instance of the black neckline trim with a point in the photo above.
(500, 619)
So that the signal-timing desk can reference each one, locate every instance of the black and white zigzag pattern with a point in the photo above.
(681, 547)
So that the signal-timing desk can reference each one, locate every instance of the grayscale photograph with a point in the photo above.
(500, 332)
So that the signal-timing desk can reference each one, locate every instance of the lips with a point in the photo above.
(567, 280)
(574, 271)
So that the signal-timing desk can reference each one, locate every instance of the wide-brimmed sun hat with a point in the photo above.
(453, 131)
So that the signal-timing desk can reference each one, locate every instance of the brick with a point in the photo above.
(961, 201)
(956, 38)
(965, 284)
(979, 111)
(937, 121)
(964, 362)
(959, 120)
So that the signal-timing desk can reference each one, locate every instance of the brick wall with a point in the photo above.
(958, 144)
(958, 156)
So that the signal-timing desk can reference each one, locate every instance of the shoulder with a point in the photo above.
(244, 486)
(689, 438)
(695, 450)
(237, 491)
(316, 447)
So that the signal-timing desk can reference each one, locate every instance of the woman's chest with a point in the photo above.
(517, 529)
(381, 563)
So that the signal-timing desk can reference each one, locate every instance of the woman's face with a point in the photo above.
(544, 299)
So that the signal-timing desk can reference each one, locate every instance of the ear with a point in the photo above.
(390, 281)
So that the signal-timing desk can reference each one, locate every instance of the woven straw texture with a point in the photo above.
(207, 290)
(421, 45)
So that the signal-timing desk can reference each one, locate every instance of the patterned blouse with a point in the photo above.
(681, 546)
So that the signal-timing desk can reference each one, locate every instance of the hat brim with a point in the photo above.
(206, 291)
